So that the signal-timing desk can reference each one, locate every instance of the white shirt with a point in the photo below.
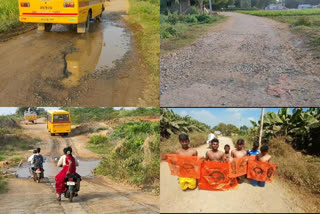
(211, 136)
(62, 160)
(30, 159)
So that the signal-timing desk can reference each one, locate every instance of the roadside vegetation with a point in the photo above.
(303, 22)
(9, 15)
(172, 125)
(13, 144)
(89, 114)
(131, 153)
(144, 15)
(178, 31)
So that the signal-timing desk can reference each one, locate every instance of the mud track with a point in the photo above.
(97, 194)
(244, 61)
(62, 68)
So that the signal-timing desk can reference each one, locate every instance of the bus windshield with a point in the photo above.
(60, 118)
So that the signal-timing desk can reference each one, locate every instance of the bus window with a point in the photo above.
(60, 118)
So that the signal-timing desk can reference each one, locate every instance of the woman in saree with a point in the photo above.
(67, 169)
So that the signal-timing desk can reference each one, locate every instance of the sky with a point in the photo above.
(12, 110)
(235, 116)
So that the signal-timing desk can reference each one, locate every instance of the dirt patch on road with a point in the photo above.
(246, 61)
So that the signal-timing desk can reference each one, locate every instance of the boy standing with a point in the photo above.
(239, 152)
(185, 150)
(264, 157)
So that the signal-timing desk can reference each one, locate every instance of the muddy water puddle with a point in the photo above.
(106, 43)
(51, 170)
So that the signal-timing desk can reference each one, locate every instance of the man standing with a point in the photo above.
(215, 154)
(264, 157)
(185, 150)
(239, 152)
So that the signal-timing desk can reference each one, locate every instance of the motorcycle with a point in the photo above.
(37, 174)
(73, 186)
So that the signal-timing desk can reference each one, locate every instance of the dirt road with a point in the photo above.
(244, 61)
(97, 194)
(246, 198)
(63, 68)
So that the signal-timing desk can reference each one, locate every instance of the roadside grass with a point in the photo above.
(281, 12)
(131, 153)
(299, 169)
(13, 145)
(9, 15)
(171, 144)
(3, 184)
(145, 16)
(180, 33)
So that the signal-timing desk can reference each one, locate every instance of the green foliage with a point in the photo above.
(226, 129)
(40, 111)
(3, 184)
(171, 122)
(137, 158)
(145, 13)
(87, 114)
(304, 12)
(174, 25)
(301, 128)
(98, 139)
(9, 15)
(303, 21)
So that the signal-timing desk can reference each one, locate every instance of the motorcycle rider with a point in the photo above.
(38, 161)
(62, 159)
(63, 176)
(30, 159)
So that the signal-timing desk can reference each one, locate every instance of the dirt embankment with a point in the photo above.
(97, 194)
(244, 61)
(274, 197)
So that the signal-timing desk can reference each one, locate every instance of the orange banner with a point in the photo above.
(238, 167)
(214, 176)
(261, 171)
(184, 166)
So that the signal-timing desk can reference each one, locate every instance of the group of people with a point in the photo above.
(214, 154)
(68, 162)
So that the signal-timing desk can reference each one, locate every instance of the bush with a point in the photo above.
(173, 18)
(129, 161)
(205, 18)
(190, 19)
(193, 11)
(303, 21)
(98, 139)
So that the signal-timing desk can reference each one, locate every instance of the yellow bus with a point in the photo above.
(48, 12)
(58, 122)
